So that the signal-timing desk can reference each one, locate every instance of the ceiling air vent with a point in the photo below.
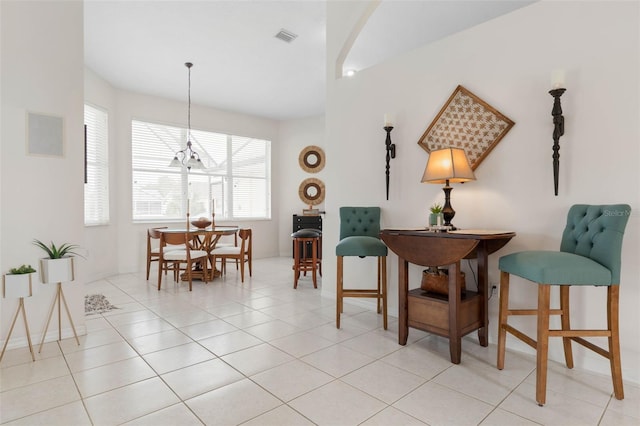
(285, 35)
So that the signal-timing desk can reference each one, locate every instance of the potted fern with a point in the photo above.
(436, 213)
(58, 266)
(18, 282)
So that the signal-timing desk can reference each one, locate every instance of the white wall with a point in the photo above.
(294, 136)
(41, 197)
(507, 62)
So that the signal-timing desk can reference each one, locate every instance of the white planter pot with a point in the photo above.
(17, 285)
(57, 270)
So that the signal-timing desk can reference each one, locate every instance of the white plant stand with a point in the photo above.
(20, 286)
(58, 271)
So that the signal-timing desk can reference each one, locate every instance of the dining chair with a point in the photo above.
(241, 253)
(589, 255)
(229, 241)
(360, 236)
(172, 256)
(153, 250)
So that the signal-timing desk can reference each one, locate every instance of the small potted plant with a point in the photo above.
(436, 213)
(58, 266)
(18, 282)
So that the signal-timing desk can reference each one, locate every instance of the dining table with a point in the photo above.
(204, 239)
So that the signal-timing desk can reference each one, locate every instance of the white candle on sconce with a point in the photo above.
(187, 206)
(558, 79)
(388, 120)
(213, 205)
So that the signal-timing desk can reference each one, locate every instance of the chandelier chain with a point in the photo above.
(189, 65)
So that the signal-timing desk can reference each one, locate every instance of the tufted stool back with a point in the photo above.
(595, 231)
(359, 221)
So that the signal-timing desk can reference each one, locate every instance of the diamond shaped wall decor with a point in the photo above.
(468, 122)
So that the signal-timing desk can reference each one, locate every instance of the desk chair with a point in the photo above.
(589, 255)
(359, 236)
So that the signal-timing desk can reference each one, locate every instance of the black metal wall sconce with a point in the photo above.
(391, 147)
(557, 82)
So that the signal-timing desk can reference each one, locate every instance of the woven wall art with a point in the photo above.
(467, 122)
(311, 159)
(311, 191)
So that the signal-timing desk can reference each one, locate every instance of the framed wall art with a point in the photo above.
(466, 121)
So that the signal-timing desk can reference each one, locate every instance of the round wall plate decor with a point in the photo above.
(311, 191)
(311, 159)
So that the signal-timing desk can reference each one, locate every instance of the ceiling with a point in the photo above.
(239, 64)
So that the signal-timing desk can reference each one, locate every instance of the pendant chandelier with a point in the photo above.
(188, 157)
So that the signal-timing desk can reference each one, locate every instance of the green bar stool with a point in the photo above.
(590, 253)
(360, 236)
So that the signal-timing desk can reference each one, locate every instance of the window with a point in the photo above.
(96, 187)
(237, 175)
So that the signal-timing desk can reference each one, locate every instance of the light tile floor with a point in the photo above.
(261, 353)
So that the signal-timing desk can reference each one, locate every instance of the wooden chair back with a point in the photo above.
(245, 236)
(174, 239)
(152, 252)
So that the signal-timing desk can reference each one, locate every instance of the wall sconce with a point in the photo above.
(557, 84)
(391, 147)
(448, 165)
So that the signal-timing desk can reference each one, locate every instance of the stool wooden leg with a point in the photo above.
(503, 315)
(383, 261)
(542, 345)
(566, 324)
(339, 291)
(379, 310)
(296, 263)
(314, 260)
(613, 295)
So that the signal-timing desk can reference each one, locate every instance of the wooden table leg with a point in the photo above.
(455, 332)
(403, 312)
(483, 291)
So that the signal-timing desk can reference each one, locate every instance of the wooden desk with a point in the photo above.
(205, 239)
(456, 315)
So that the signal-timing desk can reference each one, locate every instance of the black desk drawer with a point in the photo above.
(308, 222)
(302, 222)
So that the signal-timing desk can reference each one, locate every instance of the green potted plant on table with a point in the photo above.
(436, 213)
(18, 282)
(58, 266)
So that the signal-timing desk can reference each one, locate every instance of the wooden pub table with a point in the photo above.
(461, 312)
